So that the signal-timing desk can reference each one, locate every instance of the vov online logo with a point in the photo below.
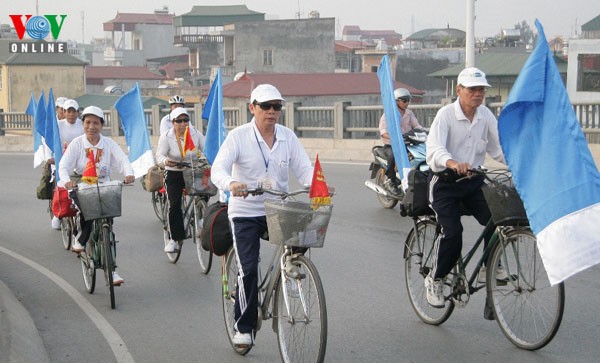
(38, 28)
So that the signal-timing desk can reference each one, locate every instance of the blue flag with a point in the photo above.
(215, 131)
(552, 166)
(38, 146)
(53, 138)
(39, 119)
(131, 110)
(392, 115)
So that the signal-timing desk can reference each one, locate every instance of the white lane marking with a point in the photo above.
(113, 338)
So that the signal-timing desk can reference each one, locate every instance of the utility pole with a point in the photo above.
(470, 35)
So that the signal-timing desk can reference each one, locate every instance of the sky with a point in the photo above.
(559, 18)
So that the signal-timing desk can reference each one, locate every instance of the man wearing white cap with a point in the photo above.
(59, 103)
(460, 136)
(259, 152)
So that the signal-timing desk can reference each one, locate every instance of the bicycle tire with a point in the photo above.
(108, 263)
(204, 256)
(88, 267)
(228, 291)
(301, 334)
(386, 202)
(528, 309)
(418, 261)
(157, 204)
(66, 231)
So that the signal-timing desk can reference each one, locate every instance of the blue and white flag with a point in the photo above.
(131, 110)
(215, 131)
(43, 152)
(552, 166)
(38, 146)
(53, 136)
(392, 116)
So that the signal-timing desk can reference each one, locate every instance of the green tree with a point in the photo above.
(527, 34)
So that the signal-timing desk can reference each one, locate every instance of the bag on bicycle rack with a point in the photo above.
(62, 205)
(45, 190)
(216, 232)
(416, 201)
(153, 180)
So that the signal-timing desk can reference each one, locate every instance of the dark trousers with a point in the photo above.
(246, 238)
(446, 198)
(391, 163)
(174, 185)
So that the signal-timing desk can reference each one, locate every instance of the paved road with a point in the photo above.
(169, 312)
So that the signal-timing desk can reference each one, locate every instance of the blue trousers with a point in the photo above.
(246, 239)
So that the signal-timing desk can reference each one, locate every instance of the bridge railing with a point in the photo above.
(339, 121)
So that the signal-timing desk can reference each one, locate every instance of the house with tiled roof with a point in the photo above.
(391, 38)
(136, 37)
(23, 73)
(99, 78)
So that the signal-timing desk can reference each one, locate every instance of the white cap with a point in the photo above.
(60, 101)
(264, 93)
(178, 112)
(70, 104)
(472, 77)
(93, 110)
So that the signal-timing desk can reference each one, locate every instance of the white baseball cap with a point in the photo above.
(71, 104)
(264, 93)
(60, 101)
(472, 77)
(93, 110)
(178, 112)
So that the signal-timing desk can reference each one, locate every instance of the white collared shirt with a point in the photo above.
(76, 158)
(168, 149)
(69, 131)
(246, 158)
(453, 136)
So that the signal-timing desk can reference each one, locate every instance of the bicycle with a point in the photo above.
(159, 199)
(99, 204)
(291, 291)
(526, 307)
(196, 194)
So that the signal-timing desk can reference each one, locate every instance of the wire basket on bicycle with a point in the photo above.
(296, 224)
(99, 201)
(503, 201)
(197, 178)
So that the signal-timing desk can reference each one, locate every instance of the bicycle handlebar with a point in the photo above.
(260, 190)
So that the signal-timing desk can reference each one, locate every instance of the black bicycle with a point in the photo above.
(526, 307)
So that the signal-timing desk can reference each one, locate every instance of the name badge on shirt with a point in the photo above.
(267, 183)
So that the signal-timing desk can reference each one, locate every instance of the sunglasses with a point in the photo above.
(404, 99)
(180, 120)
(266, 106)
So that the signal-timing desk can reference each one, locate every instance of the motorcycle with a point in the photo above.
(414, 140)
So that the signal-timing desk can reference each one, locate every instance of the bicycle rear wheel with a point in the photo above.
(88, 268)
(301, 329)
(108, 263)
(418, 262)
(229, 290)
(204, 256)
(66, 231)
(158, 201)
(528, 309)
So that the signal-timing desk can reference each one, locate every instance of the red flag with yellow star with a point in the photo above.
(319, 193)
(89, 174)
(188, 143)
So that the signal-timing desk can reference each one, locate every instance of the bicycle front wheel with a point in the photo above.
(301, 315)
(528, 309)
(228, 293)
(204, 256)
(418, 262)
(172, 256)
(108, 263)
(66, 231)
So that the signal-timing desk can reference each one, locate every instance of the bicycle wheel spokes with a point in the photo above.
(204, 256)
(157, 204)
(418, 262)
(301, 315)
(528, 310)
(66, 231)
(108, 263)
(88, 268)
(229, 289)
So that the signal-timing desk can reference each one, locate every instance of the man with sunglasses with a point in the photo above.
(261, 152)
(460, 136)
(408, 121)
(170, 151)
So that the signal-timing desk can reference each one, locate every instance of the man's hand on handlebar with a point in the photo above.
(459, 168)
(238, 189)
